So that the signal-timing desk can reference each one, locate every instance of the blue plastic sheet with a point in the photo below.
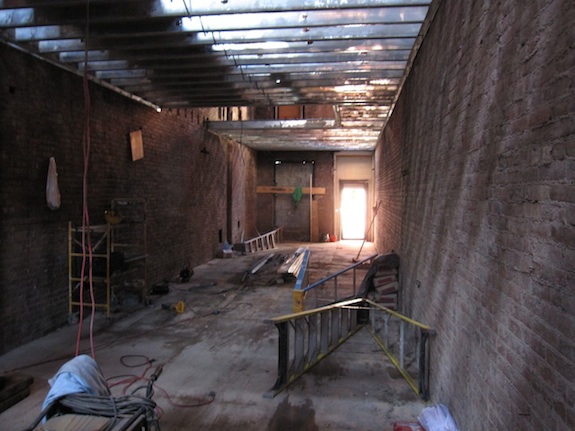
(79, 375)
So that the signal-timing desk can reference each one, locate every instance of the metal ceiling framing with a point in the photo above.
(352, 55)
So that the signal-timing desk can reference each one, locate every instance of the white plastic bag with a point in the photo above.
(437, 418)
(52, 190)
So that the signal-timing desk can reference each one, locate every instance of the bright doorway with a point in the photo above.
(353, 210)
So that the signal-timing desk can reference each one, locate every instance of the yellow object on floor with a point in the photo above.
(179, 307)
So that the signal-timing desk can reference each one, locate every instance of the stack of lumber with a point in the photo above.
(293, 263)
(381, 283)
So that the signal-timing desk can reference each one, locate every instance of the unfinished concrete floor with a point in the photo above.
(221, 345)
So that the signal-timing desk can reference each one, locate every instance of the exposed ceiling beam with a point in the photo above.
(349, 55)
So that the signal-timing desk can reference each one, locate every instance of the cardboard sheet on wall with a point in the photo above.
(137, 145)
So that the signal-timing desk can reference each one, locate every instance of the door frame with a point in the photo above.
(365, 186)
(358, 166)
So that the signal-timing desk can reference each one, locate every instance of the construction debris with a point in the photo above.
(293, 264)
(385, 288)
(381, 283)
(261, 263)
(161, 288)
(178, 307)
(257, 266)
(186, 274)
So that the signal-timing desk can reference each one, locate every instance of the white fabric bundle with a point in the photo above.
(52, 190)
(437, 418)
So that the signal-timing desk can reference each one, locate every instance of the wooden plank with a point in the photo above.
(289, 190)
(14, 399)
(74, 422)
(14, 387)
(314, 221)
(261, 263)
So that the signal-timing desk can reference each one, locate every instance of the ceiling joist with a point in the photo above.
(351, 55)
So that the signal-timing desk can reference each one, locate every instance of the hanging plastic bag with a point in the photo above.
(297, 195)
(52, 190)
(437, 418)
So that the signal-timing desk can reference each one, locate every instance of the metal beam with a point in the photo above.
(352, 54)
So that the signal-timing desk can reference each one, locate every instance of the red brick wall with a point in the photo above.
(477, 172)
(194, 186)
(241, 186)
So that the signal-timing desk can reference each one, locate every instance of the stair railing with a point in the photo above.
(336, 287)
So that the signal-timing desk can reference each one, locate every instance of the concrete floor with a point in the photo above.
(221, 345)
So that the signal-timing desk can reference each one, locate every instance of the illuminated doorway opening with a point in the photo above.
(353, 209)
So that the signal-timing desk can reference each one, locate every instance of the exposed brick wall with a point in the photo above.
(477, 172)
(323, 177)
(194, 184)
(323, 171)
(242, 198)
(390, 185)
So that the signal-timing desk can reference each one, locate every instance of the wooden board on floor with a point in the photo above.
(15, 387)
(75, 422)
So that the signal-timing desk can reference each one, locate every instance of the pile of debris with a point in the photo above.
(385, 288)
(381, 282)
(293, 264)
(279, 267)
